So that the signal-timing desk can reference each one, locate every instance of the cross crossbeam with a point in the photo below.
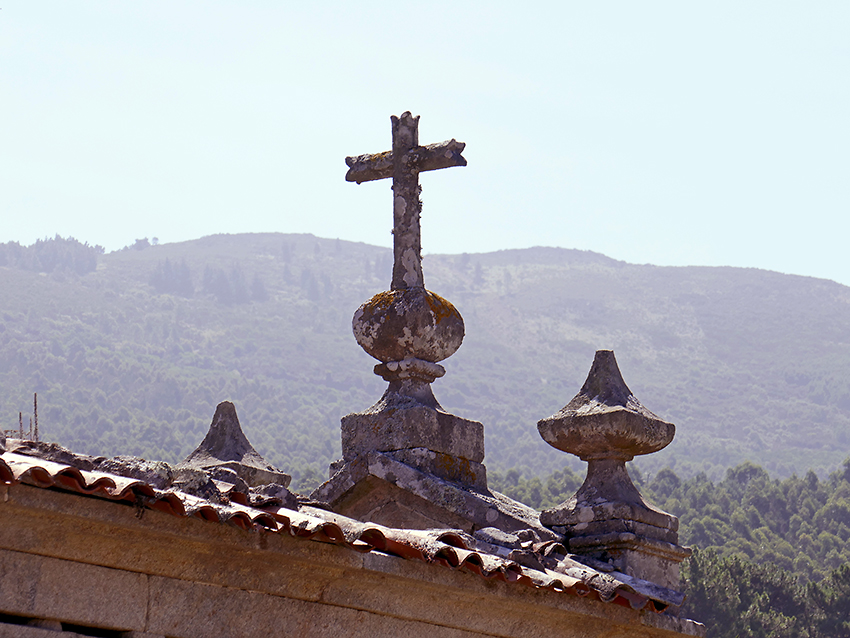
(372, 166)
(404, 163)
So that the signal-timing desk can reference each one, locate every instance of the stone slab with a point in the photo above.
(67, 591)
(180, 608)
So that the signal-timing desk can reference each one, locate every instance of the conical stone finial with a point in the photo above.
(607, 518)
(605, 420)
(225, 447)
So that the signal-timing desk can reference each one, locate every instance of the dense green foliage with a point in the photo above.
(778, 559)
(132, 355)
(736, 598)
(772, 556)
(801, 525)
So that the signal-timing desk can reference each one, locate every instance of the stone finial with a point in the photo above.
(409, 329)
(226, 451)
(605, 420)
(406, 442)
(607, 519)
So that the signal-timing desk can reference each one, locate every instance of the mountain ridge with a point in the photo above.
(750, 364)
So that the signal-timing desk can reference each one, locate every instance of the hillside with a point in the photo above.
(132, 357)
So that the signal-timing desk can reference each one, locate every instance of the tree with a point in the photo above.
(832, 599)
(50, 255)
(172, 279)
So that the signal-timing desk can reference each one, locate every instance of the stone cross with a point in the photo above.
(404, 163)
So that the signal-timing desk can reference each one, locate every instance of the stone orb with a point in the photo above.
(413, 322)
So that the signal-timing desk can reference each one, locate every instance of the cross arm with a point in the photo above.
(372, 166)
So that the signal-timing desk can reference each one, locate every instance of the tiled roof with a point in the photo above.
(544, 565)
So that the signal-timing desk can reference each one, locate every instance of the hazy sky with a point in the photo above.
(654, 132)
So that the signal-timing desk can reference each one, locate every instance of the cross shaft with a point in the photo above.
(404, 163)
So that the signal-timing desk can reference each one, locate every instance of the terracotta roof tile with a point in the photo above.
(445, 547)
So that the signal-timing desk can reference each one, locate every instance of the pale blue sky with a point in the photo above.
(671, 133)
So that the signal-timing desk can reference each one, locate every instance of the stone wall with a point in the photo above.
(73, 563)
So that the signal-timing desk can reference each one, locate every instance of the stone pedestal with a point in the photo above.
(420, 434)
(386, 488)
(608, 520)
(406, 462)
(409, 463)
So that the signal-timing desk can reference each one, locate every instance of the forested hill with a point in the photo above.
(131, 357)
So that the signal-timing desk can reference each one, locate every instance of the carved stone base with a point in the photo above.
(402, 422)
(608, 520)
(380, 488)
(634, 555)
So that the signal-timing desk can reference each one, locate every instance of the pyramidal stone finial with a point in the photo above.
(225, 449)
(607, 518)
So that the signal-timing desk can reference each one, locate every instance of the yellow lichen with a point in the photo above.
(380, 302)
(441, 308)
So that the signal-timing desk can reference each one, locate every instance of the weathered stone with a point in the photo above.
(445, 466)
(400, 422)
(372, 166)
(495, 536)
(608, 494)
(226, 447)
(380, 488)
(607, 518)
(54, 452)
(60, 590)
(404, 164)
(635, 555)
(406, 461)
(157, 473)
(408, 323)
(197, 482)
(266, 495)
(605, 420)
